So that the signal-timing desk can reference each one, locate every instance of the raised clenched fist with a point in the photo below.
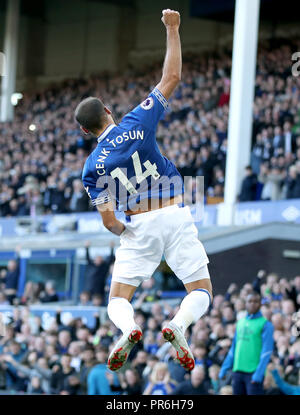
(170, 18)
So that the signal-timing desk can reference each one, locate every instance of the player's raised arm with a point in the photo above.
(173, 62)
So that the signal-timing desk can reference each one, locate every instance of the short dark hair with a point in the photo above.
(66, 355)
(85, 293)
(253, 294)
(90, 114)
(101, 348)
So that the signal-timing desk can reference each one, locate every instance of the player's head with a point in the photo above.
(101, 354)
(11, 265)
(98, 260)
(253, 303)
(248, 170)
(92, 115)
(66, 360)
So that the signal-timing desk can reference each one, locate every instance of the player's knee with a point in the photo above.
(209, 292)
(202, 284)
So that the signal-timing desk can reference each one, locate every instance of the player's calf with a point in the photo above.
(192, 308)
(121, 313)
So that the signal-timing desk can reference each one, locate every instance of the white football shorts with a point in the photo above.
(168, 231)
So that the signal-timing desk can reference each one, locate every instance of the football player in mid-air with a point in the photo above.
(126, 172)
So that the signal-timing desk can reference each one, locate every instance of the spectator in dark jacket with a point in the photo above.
(97, 271)
(87, 363)
(130, 382)
(61, 373)
(54, 197)
(256, 284)
(49, 295)
(64, 340)
(12, 277)
(291, 182)
(293, 291)
(249, 183)
(297, 184)
(79, 201)
(195, 386)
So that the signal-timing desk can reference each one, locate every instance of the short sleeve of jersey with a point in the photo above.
(98, 195)
(150, 111)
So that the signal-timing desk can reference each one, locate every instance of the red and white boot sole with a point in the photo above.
(120, 353)
(172, 334)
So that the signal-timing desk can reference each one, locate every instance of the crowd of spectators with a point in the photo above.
(44, 150)
(70, 357)
(95, 291)
(34, 292)
(274, 173)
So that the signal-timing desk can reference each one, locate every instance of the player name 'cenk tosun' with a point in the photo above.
(127, 135)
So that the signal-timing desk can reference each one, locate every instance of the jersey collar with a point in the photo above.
(255, 315)
(105, 132)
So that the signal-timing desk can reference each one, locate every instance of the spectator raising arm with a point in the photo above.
(111, 257)
(87, 245)
(12, 276)
(257, 281)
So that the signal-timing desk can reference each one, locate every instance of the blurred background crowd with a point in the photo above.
(70, 358)
(44, 151)
(95, 292)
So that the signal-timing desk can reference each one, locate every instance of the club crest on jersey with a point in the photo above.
(148, 103)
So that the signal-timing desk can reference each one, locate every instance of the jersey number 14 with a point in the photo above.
(151, 170)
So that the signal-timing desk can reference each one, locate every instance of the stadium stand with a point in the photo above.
(44, 153)
(64, 357)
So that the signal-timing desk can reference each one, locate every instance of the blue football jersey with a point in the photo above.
(127, 165)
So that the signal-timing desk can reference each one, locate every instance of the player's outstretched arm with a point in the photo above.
(173, 62)
(109, 219)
